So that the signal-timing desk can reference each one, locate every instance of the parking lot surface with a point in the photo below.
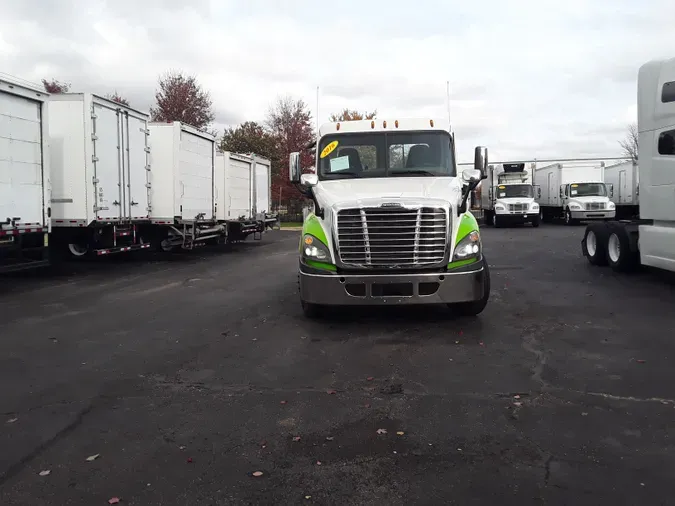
(184, 378)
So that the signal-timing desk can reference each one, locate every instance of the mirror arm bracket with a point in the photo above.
(461, 209)
(308, 192)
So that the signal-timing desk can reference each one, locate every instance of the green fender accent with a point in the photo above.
(321, 265)
(312, 225)
(461, 263)
(467, 225)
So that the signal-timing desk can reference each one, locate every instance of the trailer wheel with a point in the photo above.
(620, 256)
(594, 243)
(78, 250)
(475, 307)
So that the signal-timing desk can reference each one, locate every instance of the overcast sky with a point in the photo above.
(534, 78)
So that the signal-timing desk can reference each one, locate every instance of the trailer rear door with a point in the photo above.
(195, 166)
(21, 194)
(262, 187)
(135, 136)
(107, 157)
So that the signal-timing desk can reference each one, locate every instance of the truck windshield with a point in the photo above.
(587, 190)
(384, 154)
(514, 190)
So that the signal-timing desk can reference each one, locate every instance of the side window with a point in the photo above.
(668, 92)
(667, 143)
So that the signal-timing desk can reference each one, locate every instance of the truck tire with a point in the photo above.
(620, 256)
(310, 310)
(568, 218)
(475, 307)
(536, 221)
(594, 243)
(496, 222)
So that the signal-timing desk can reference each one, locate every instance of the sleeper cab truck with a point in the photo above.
(390, 224)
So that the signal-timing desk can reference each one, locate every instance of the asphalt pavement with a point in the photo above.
(182, 378)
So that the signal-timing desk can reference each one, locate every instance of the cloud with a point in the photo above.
(528, 78)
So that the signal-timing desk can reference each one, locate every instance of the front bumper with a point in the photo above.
(518, 217)
(605, 214)
(467, 284)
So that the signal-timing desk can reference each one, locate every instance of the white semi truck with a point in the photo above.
(574, 191)
(391, 224)
(508, 196)
(24, 176)
(625, 183)
(649, 240)
(100, 175)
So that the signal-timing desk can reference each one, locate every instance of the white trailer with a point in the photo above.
(242, 194)
(624, 180)
(507, 196)
(182, 187)
(24, 176)
(649, 240)
(99, 172)
(574, 191)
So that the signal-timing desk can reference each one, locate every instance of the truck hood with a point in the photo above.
(585, 200)
(356, 192)
(514, 200)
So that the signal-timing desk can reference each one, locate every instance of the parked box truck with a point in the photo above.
(507, 196)
(625, 183)
(649, 240)
(24, 176)
(182, 187)
(573, 191)
(242, 194)
(99, 172)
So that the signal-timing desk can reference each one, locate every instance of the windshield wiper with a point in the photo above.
(413, 173)
(344, 173)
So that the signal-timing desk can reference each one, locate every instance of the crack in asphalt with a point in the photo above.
(628, 398)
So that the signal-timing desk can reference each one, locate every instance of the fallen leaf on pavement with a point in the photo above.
(381, 431)
(481, 343)
(640, 361)
(114, 500)
(329, 438)
(517, 404)
(331, 392)
(296, 438)
(46, 472)
(456, 342)
(461, 332)
(282, 402)
(12, 420)
(181, 448)
(370, 378)
(257, 473)
(189, 460)
(318, 462)
(400, 433)
(308, 497)
(516, 396)
(93, 457)
(366, 405)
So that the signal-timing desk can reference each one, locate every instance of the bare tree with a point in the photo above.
(351, 115)
(630, 144)
(116, 97)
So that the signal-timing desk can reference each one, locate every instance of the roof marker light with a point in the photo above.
(337, 127)
(372, 124)
(431, 122)
(384, 124)
(396, 123)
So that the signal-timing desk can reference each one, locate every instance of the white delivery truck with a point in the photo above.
(182, 187)
(574, 191)
(24, 176)
(625, 188)
(391, 224)
(99, 173)
(242, 194)
(507, 196)
(649, 240)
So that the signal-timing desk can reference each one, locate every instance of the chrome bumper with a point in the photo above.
(394, 289)
(604, 214)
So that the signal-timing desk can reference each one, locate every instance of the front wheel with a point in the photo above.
(496, 221)
(568, 218)
(536, 221)
(475, 307)
(310, 310)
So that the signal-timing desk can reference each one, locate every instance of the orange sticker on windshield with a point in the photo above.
(329, 149)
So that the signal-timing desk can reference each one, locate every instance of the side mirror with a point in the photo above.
(562, 193)
(471, 175)
(294, 170)
(309, 179)
(480, 161)
(611, 189)
(538, 191)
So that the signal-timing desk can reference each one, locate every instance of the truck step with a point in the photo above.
(122, 249)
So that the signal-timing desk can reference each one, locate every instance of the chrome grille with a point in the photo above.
(518, 208)
(392, 237)
(594, 206)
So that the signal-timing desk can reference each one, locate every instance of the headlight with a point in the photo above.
(469, 247)
(534, 206)
(499, 207)
(313, 249)
(575, 206)
(610, 205)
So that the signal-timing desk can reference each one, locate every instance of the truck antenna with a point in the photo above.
(447, 95)
(317, 111)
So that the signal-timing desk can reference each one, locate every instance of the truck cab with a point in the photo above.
(391, 223)
(510, 196)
